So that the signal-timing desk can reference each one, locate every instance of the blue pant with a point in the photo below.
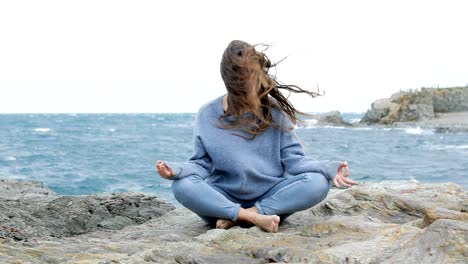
(293, 194)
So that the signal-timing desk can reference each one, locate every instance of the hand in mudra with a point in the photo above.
(341, 178)
(164, 170)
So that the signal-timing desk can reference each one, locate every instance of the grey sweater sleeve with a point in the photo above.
(199, 163)
(295, 161)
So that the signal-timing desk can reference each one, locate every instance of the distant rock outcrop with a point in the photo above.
(399, 222)
(332, 118)
(417, 105)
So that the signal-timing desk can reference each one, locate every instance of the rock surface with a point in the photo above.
(30, 210)
(388, 222)
(417, 106)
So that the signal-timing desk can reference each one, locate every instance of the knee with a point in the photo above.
(319, 186)
(184, 186)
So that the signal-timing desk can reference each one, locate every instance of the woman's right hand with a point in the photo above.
(164, 170)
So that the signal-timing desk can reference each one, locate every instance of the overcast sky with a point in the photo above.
(163, 56)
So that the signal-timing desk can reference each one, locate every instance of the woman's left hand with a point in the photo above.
(341, 177)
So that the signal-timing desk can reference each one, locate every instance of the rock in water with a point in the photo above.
(390, 222)
(332, 118)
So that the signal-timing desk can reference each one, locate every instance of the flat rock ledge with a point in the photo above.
(387, 222)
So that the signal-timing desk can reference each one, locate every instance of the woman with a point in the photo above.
(248, 164)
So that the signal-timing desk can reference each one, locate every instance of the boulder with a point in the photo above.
(332, 118)
(383, 111)
(374, 116)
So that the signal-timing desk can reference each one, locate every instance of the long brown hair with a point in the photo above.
(245, 74)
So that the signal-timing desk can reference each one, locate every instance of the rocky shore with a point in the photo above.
(443, 109)
(388, 222)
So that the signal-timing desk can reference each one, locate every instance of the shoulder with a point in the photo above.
(208, 113)
(210, 108)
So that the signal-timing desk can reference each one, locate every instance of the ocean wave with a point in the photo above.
(364, 128)
(410, 130)
(42, 129)
(354, 120)
(448, 147)
(334, 127)
(181, 125)
(310, 122)
(418, 131)
(10, 158)
(319, 127)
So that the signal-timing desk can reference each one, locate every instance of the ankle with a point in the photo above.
(247, 215)
(253, 209)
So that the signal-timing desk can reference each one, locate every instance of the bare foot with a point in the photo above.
(268, 223)
(225, 223)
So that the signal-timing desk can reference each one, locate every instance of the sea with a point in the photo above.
(79, 154)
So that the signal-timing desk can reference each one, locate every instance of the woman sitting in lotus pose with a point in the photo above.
(248, 164)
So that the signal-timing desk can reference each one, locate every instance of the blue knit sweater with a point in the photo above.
(246, 169)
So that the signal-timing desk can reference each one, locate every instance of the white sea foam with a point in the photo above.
(306, 124)
(334, 127)
(11, 158)
(111, 129)
(363, 128)
(445, 147)
(417, 131)
(42, 129)
(310, 122)
(182, 125)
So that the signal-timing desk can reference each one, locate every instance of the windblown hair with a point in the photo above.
(245, 74)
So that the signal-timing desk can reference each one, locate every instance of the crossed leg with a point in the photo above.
(227, 223)
(289, 196)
